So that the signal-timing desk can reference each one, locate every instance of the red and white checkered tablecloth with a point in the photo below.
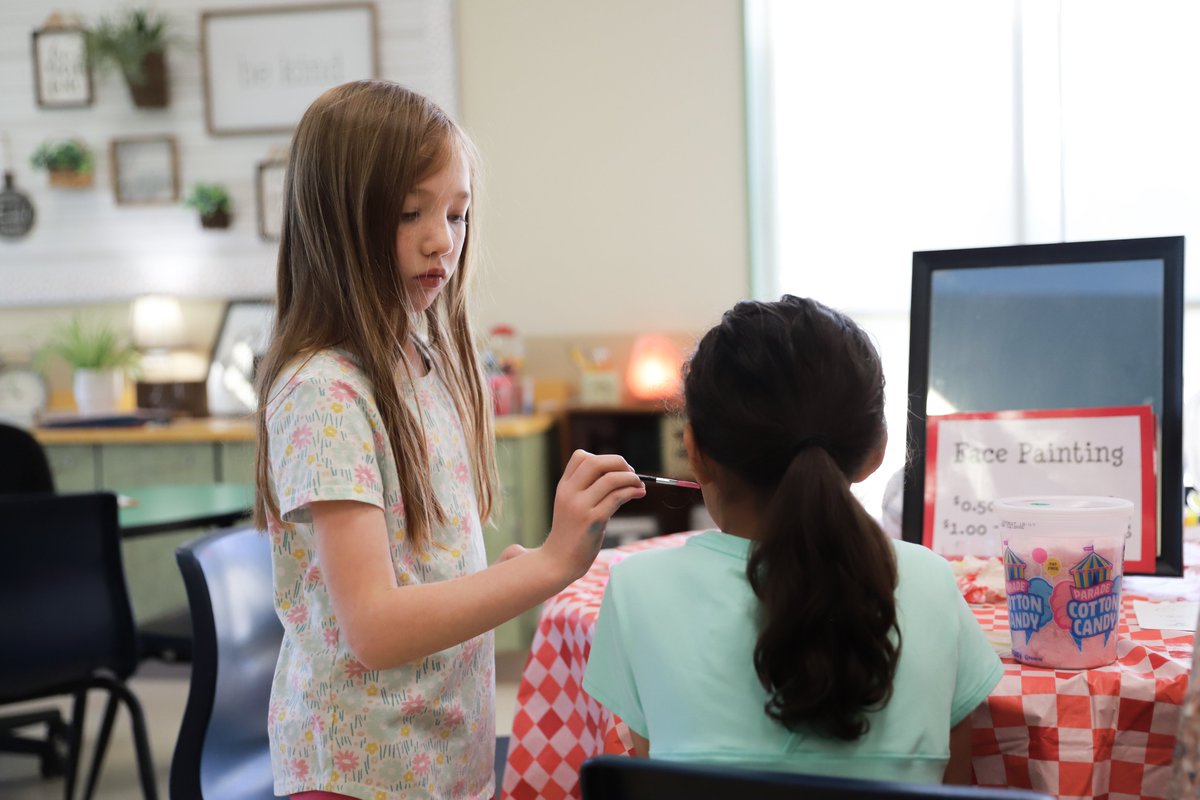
(1105, 733)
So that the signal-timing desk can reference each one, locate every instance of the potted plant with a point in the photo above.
(135, 42)
(212, 201)
(68, 162)
(101, 363)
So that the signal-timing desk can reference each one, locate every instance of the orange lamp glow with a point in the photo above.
(654, 368)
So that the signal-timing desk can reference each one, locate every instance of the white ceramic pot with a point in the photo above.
(98, 391)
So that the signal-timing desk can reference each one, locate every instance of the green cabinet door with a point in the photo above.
(73, 467)
(523, 518)
(155, 585)
(236, 462)
(125, 465)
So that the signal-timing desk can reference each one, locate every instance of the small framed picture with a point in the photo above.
(145, 170)
(62, 77)
(269, 192)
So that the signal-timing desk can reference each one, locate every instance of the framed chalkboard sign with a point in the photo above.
(263, 66)
(62, 77)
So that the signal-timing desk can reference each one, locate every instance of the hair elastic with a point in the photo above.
(812, 441)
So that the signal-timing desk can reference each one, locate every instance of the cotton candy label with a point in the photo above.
(1067, 619)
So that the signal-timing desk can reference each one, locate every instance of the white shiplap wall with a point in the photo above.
(84, 247)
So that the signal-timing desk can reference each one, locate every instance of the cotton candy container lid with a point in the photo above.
(1064, 515)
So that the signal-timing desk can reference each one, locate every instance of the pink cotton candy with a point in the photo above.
(1063, 560)
(1078, 630)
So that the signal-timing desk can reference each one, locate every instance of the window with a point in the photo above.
(880, 128)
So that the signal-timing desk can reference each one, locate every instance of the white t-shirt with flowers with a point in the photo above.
(424, 730)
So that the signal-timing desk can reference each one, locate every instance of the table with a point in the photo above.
(159, 600)
(175, 507)
(1106, 732)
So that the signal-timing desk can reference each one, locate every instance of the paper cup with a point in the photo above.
(1063, 561)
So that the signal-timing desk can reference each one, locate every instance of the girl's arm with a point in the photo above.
(958, 770)
(387, 625)
(641, 746)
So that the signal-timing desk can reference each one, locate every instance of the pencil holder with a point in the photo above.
(599, 388)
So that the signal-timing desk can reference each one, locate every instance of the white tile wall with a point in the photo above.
(84, 247)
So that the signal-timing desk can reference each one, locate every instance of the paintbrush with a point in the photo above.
(669, 481)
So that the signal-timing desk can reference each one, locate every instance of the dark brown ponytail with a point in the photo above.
(788, 397)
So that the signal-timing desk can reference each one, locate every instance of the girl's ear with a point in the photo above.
(697, 461)
(873, 461)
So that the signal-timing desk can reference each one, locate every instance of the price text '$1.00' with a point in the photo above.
(968, 506)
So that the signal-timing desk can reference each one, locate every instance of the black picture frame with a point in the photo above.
(1169, 251)
(62, 74)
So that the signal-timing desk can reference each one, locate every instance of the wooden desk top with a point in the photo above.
(235, 429)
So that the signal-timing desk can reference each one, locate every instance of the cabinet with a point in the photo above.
(523, 463)
(205, 451)
(650, 437)
(192, 451)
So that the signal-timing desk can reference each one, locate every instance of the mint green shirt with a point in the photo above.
(673, 651)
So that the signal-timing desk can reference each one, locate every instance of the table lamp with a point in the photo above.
(157, 322)
(654, 366)
(157, 329)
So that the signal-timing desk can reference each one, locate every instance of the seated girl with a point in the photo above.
(798, 636)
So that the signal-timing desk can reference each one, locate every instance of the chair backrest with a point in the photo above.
(222, 750)
(627, 778)
(24, 468)
(62, 587)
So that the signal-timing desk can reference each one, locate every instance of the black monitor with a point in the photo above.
(1051, 326)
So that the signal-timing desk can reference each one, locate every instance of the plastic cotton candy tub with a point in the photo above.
(1063, 563)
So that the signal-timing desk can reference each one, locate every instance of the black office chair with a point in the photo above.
(167, 637)
(24, 469)
(222, 752)
(68, 627)
(627, 778)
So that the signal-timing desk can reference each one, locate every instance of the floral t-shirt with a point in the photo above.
(424, 730)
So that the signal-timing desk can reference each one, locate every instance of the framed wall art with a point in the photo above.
(145, 170)
(62, 77)
(268, 190)
(262, 67)
(233, 363)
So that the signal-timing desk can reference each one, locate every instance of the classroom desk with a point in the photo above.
(1106, 732)
(175, 507)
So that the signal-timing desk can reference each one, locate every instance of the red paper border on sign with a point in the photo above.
(1145, 562)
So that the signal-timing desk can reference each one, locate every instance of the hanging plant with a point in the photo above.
(68, 163)
(212, 201)
(135, 42)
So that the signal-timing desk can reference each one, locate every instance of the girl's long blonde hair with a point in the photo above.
(359, 149)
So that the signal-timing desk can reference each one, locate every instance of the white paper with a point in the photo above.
(980, 460)
(1175, 616)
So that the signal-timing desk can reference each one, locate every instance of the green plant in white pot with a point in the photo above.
(101, 362)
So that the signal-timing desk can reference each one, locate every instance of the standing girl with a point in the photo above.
(375, 466)
(797, 637)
